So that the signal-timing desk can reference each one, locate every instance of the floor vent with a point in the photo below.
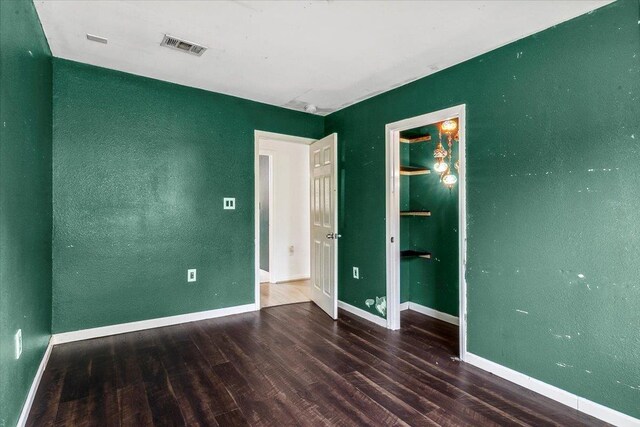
(182, 45)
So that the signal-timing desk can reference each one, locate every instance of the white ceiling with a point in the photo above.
(290, 53)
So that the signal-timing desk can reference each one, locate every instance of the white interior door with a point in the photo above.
(324, 220)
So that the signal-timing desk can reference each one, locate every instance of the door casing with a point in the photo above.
(392, 173)
(269, 154)
(258, 136)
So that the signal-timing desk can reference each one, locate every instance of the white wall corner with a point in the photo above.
(363, 314)
(566, 398)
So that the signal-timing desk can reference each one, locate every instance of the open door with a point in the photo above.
(324, 220)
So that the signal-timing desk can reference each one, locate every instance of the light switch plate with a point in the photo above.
(356, 273)
(191, 275)
(229, 202)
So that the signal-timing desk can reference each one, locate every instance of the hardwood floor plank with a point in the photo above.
(206, 347)
(503, 395)
(164, 406)
(389, 401)
(444, 396)
(233, 418)
(285, 365)
(134, 406)
(103, 399)
(46, 401)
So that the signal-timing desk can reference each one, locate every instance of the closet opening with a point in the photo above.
(426, 227)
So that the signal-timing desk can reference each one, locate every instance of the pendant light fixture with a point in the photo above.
(440, 154)
(444, 157)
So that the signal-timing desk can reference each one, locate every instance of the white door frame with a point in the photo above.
(269, 154)
(259, 136)
(392, 132)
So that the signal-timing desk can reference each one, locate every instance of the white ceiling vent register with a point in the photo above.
(182, 45)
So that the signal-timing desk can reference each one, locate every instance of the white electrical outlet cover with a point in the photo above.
(191, 275)
(229, 202)
(356, 273)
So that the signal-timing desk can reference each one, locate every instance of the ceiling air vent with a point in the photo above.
(182, 45)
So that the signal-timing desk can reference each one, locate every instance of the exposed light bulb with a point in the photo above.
(448, 126)
(449, 179)
(440, 166)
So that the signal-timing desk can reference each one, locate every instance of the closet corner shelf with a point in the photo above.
(415, 213)
(414, 254)
(413, 170)
(414, 139)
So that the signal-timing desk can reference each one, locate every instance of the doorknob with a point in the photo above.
(329, 235)
(333, 235)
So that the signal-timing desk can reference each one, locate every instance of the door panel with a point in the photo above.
(324, 233)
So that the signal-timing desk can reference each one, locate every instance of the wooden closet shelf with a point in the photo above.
(413, 170)
(413, 254)
(415, 213)
(412, 140)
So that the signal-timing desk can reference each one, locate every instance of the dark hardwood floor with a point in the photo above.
(285, 365)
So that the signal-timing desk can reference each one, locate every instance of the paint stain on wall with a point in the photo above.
(380, 304)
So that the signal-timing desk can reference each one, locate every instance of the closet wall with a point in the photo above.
(429, 282)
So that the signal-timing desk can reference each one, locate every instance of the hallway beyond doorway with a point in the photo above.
(284, 293)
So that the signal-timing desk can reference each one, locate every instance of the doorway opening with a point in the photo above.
(295, 221)
(284, 214)
(426, 226)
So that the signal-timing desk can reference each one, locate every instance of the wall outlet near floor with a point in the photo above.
(191, 275)
(356, 273)
(18, 343)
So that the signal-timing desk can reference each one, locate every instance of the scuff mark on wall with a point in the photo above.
(381, 305)
(630, 386)
(564, 365)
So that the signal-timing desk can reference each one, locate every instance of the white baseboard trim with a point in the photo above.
(364, 314)
(26, 408)
(404, 306)
(433, 313)
(122, 328)
(574, 401)
(293, 278)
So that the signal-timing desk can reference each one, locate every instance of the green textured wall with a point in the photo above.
(140, 168)
(553, 125)
(25, 201)
(432, 283)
